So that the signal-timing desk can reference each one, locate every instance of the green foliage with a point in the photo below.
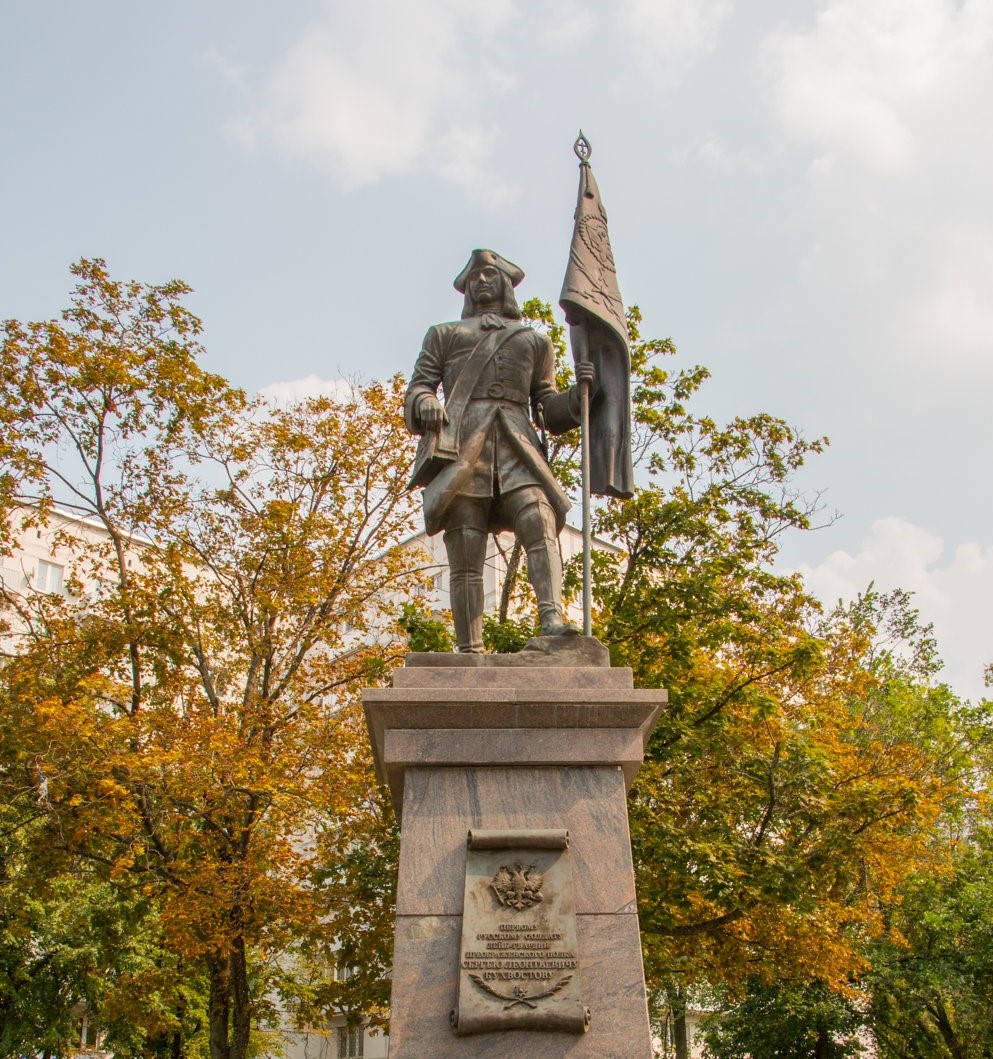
(508, 636)
(46, 970)
(784, 1022)
(932, 973)
(423, 632)
(70, 942)
(348, 971)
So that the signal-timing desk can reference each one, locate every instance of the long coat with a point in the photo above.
(491, 444)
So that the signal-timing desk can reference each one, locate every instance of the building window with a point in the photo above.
(49, 577)
(89, 1034)
(351, 1042)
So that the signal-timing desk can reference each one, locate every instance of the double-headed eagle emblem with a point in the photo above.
(518, 886)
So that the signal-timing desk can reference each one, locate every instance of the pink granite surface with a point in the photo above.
(441, 804)
(409, 748)
(424, 992)
(513, 748)
(559, 678)
(461, 716)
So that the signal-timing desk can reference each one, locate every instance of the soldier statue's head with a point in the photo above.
(488, 281)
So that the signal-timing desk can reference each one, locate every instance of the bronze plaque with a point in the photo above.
(518, 959)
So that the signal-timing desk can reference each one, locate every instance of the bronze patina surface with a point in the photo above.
(519, 956)
(480, 460)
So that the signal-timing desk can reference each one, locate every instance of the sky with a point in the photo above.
(799, 194)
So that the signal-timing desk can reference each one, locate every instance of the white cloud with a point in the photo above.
(231, 72)
(892, 101)
(860, 80)
(953, 592)
(385, 87)
(716, 154)
(369, 90)
(668, 36)
(566, 23)
(958, 309)
(283, 393)
(463, 156)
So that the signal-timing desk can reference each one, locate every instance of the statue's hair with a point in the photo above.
(508, 301)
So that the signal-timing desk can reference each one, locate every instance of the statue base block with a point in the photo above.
(514, 753)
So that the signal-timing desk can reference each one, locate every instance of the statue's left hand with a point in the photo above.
(585, 374)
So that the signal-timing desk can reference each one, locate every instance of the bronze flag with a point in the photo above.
(593, 308)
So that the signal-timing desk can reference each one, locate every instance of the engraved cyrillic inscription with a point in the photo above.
(519, 952)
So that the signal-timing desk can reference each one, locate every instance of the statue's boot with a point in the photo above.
(535, 529)
(466, 556)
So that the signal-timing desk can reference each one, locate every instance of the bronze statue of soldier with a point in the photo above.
(479, 458)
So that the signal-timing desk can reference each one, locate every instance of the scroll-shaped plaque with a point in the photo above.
(518, 960)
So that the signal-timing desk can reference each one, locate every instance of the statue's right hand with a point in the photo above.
(432, 414)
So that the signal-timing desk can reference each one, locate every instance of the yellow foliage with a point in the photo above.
(192, 727)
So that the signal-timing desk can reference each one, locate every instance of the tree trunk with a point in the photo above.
(241, 1006)
(823, 1045)
(680, 1035)
(510, 580)
(945, 1027)
(220, 1005)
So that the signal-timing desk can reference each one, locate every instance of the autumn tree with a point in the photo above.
(72, 942)
(931, 979)
(924, 990)
(801, 813)
(795, 779)
(185, 713)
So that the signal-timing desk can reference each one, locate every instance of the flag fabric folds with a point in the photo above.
(592, 303)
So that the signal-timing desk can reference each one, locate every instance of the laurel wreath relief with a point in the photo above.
(520, 994)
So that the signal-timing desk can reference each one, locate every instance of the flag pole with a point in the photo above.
(583, 150)
(598, 335)
(584, 435)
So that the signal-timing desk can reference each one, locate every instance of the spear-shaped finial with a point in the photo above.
(583, 149)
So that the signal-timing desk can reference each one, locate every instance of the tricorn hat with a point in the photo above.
(482, 258)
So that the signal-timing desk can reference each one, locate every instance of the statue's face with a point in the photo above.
(485, 286)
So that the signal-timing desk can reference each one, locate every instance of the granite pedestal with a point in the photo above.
(493, 742)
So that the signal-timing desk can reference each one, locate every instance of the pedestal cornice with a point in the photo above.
(534, 715)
